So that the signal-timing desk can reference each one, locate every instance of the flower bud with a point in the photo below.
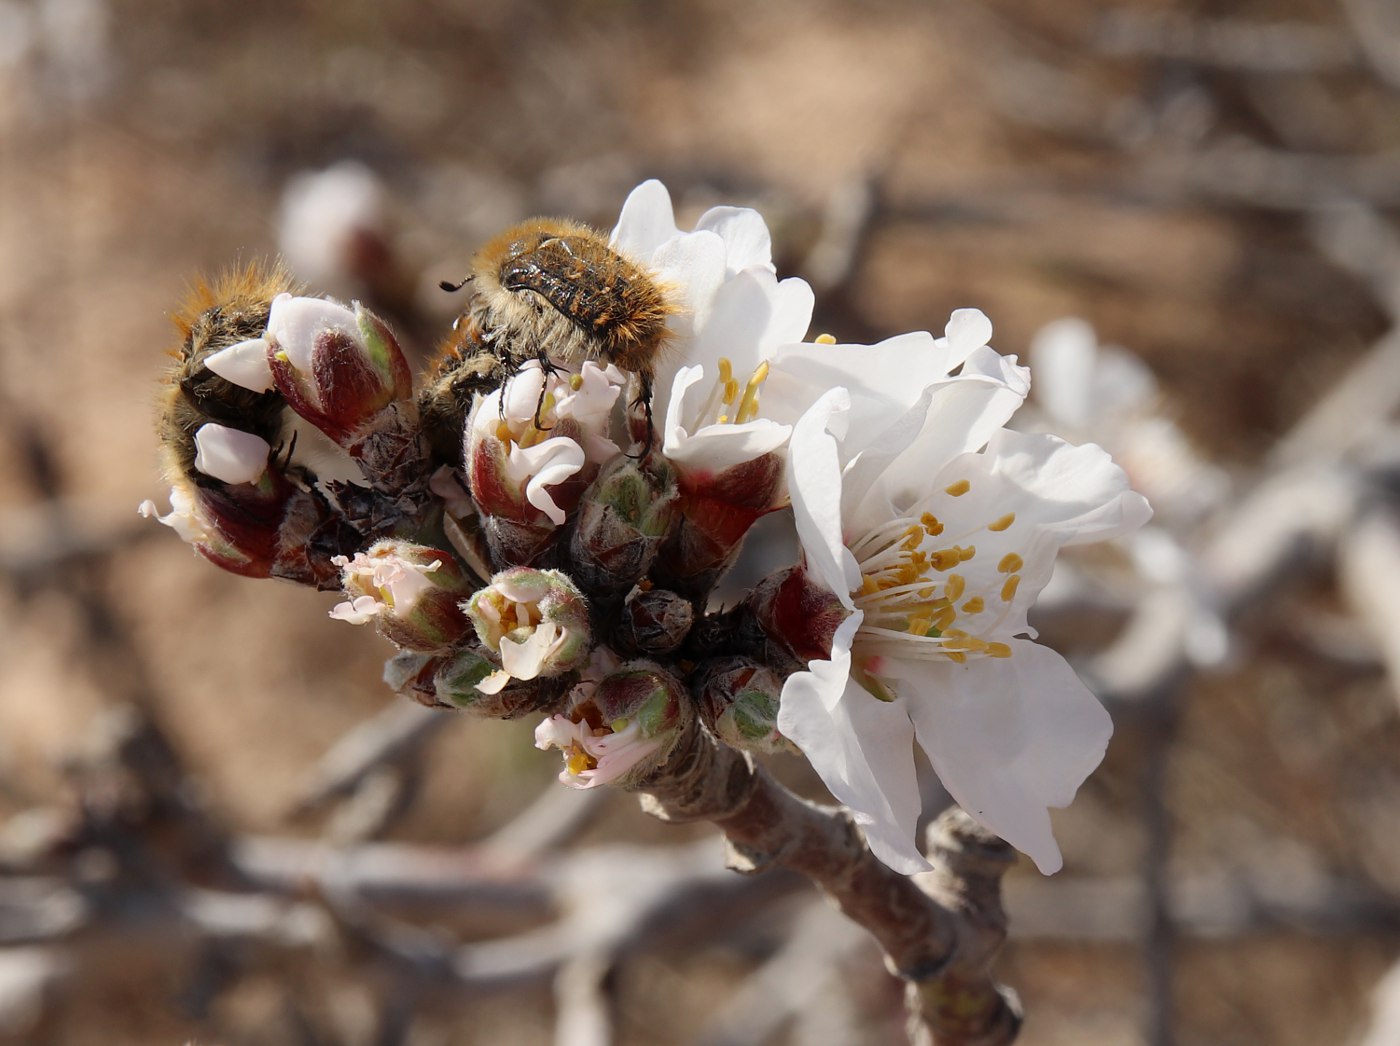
(266, 528)
(337, 367)
(411, 674)
(624, 516)
(534, 621)
(621, 729)
(716, 511)
(798, 614)
(411, 591)
(738, 701)
(654, 622)
(457, 685)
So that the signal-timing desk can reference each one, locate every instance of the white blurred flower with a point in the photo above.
(327, 220)
(1089, 391)
(936, 528)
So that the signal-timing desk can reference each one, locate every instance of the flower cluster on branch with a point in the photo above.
(540, 524)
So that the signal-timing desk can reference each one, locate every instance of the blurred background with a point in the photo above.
(217, 825)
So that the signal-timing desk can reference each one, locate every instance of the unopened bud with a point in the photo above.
(411, 673)
(534, 621)
(620, 730)
(623, 518)
(410, 591)
(457, 685)
(655, 622)
(337, 367)
(738, 701)
(266, 528)
(798, 614)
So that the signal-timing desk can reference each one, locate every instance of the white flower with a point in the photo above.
(550, 427)
(387, 583)
(734, 314)
(594, 757)
(936, 528)
(535, 621)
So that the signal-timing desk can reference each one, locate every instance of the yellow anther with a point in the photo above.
(998, 650)
(919, 626)
(731, 390)
(503, 431)
(943, 620)
(954, 655)
(926, 593)
(964, 554)
(1008, 590)
(579, 761)
(618, 725)
(1010, 563)
(1001, 524)
(958, 489)
(931, 524)
(945, 559)
(913, 538)
(575, 381)
(954, 586)
(748, 409)
(724, 419)
(726, 370)
(969, 643)
(974, 605)
(868, 586)
(826, 339)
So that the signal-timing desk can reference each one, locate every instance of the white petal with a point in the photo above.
(229, 454)
(862, 749)
(1084, 495)
(814, 484)
(358, 611)
(745, 234)
(558, 731)
(715, 448)
(954, 416)
(543, 466)
(244, 364)
(751, 315)
(523, 660)
(646, 222)
(1010, 737)
(181, 518)
(495, 682)
(967, 329)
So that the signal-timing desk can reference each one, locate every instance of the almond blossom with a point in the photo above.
(734, 314)
(936, 528)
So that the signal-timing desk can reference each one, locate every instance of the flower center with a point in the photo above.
(730, 403)
(918, 603)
